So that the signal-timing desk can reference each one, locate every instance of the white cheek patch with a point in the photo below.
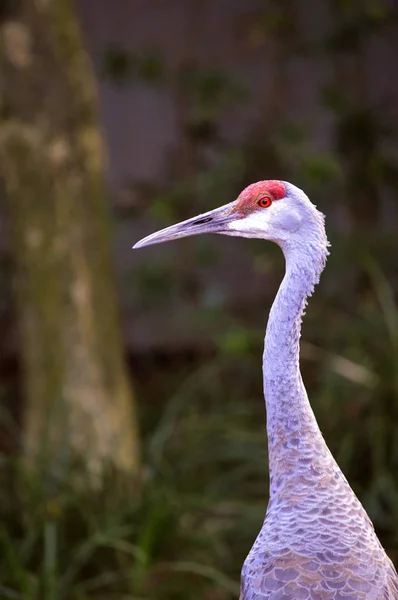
(267, 222)
(249, 224)
(255, 223)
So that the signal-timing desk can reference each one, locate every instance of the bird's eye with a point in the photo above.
(264, 201)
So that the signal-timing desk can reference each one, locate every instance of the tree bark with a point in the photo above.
(78, 398)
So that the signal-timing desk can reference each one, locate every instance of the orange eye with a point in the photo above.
(265, 201)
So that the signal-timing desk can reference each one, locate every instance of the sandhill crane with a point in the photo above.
(316, 542)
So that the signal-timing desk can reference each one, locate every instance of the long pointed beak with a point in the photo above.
(214, 221)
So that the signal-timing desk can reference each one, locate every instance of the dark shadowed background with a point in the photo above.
(133, 448)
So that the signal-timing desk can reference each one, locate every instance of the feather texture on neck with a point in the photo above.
(294, 438)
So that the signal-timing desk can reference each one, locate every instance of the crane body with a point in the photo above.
(317, 541)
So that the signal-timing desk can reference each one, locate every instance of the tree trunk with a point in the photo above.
(78, 398)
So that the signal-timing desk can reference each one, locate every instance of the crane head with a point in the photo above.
(272, 210)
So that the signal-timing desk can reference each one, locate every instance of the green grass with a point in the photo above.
(185, 534)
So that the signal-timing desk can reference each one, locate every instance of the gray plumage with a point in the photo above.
(316, 542)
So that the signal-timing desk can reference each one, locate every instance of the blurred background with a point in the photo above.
(133, 457)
